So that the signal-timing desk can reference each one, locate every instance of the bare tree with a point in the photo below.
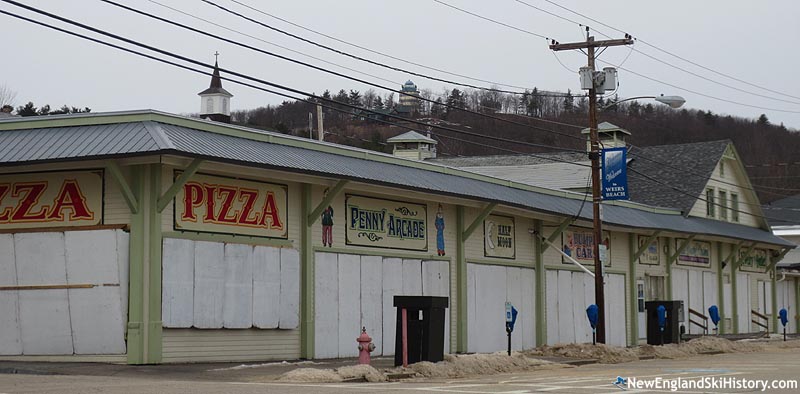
(7, 95)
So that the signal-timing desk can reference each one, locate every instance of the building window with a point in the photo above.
(224, 106)
(209, 105)
(734, 207)
(710, 203)
(723, 205)
(722, 168)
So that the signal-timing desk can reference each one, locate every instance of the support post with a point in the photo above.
(124, 187)
(633, 335)
(176, 186)
(314, 215)
(306, 278)
(720, 290)
(540, 304)
(487, 210)
(774, 296)
(461, 283)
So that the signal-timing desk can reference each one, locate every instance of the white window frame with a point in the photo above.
(723, 204)
(710, 201)
(734, 207)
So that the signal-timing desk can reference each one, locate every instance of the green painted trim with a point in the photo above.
(326, 201)
(573, 268)
(747, 254)
(720, 290)
(557, 232)
(638, 253)
(507, 263)
(125, 188)
(734, 298)
(395, 254)
(307, 302)
(733, 253)
(229, 238)
(633, 334)
(176, 186)
(685, 244)
(135, 326)
(774, 296)
(668, 267)
(153, 289)
(796, 302)
(487, 210)
(461, 283)
(540, 304)
(777, 259)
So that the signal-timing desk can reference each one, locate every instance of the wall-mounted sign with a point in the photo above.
(757, 262)
(383, 223)
(51, 199)
(215, 204)
(651, 255)
(698, 253)
(498, 237)
(615, 177)
(579, 244)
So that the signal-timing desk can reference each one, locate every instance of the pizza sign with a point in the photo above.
(55, 199)
(209, 203)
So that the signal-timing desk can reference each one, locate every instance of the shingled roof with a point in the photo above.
(783, 212)
(672, 187)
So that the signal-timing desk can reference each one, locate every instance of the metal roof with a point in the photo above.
(97, 136)
(411, 136)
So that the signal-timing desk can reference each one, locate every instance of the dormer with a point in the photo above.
(610, 135)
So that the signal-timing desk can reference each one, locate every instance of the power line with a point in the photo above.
(340, 52)
(494, 21)
(327, 71)
(628, 70)
(670, 53)
(296, 91)
(372, 50)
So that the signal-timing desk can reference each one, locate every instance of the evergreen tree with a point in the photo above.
(27, 110)
(437, 109)
(568, 104)
(354, 98)
(378, 103)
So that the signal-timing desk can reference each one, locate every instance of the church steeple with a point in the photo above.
(215, 101)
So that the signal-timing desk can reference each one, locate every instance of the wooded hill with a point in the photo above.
(770, 152)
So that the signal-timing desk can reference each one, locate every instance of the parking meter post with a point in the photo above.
(405, 337)
(509, 340)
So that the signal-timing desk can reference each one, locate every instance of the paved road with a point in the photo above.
(586, 379)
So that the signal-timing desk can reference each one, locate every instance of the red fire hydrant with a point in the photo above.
(365, 346)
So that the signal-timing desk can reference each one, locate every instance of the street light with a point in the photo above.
(672, 101)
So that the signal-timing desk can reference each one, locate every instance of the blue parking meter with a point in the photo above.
(661, 313)
(784, 315)
(592, 313)
(511, 318)
(713, 312)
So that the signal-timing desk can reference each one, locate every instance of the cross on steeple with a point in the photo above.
(216, 56)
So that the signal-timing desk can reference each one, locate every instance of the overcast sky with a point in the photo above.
(755, 42)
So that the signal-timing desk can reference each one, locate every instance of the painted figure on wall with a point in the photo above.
(439, 231)
(327, 225)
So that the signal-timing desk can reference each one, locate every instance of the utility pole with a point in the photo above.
(310, 125)
(599, 293)
(320, 129)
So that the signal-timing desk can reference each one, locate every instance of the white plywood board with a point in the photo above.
(290, 289)
(44, 322)
(617, 332)
(326, 305)
(710, 295)
(371, 299)
(436, 283)
(40, 259)
(743, 301)
(266, 286)
(528, 309)
(490, 297)
(10, 339)
(514, 296)
(551, 302)
(767, 298)
(412, 277)
(123, 262)
(209, 284)
(583, 330)
(97, 326)
(349, 304)
(696, 299)
(680, 290)
(44, 314)
(566, 320)
(177, 291)
(91, 257)
(472, 318)
(237, 306)
(392, 273)
(728, 303)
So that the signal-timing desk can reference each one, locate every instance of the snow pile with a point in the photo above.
(707, 344)
(455, 366)
(604, 354)
(314, 375)
(249, 366)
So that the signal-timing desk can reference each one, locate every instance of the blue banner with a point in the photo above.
(615, 177)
